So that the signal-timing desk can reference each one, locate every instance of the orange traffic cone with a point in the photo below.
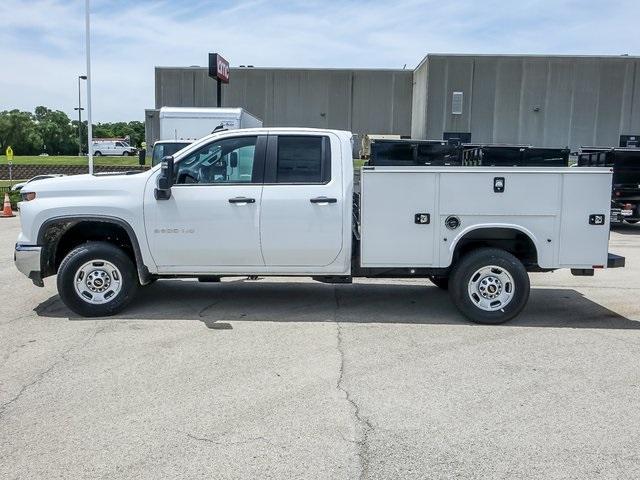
(6, 210)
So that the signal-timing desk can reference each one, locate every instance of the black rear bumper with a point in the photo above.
(615, 261)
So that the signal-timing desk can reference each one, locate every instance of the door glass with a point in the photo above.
(301, 160)
(229, 160)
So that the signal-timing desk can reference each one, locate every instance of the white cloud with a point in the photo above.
(42, 45)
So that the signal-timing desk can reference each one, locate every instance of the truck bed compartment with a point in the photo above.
(404, 212)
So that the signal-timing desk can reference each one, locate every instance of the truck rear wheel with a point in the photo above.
(97, 279)
(489, 286)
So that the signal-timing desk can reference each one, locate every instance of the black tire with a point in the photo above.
(441, 282)
(632, 222)
(88, 252)
(467, 267)
(125, 154)
(97, 154)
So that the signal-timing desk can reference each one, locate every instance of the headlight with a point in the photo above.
(28, 196)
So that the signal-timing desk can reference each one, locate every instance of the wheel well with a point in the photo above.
(59, 238)
(512, 240)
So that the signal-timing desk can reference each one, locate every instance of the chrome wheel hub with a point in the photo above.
(98, 281)
(491, 288)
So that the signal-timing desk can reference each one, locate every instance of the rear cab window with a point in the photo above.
(299, 159)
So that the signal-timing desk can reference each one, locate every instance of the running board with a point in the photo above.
(333, 279)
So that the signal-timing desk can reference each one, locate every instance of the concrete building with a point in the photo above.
(547, 101)
(358, 100)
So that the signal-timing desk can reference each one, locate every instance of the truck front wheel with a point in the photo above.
(97, 279)
(489, 286)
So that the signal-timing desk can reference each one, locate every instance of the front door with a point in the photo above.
(211, 221)
(302, 202)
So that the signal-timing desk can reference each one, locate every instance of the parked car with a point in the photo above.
(282, 202)
(18, 186)
(112, 147)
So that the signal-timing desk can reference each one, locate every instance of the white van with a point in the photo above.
(112, 147)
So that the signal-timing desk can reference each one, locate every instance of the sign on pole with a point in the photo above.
(218, 69)
(9, 153)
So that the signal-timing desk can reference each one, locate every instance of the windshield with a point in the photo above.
(163, 149)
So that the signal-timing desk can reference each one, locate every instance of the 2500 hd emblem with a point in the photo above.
(174, 230)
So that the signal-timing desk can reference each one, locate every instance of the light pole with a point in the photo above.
(79, 109)
(88, 52)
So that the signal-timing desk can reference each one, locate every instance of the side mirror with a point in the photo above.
(165, 179)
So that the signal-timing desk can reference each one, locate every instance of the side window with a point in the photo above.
(230, 160)
(119, 144)
(303, 159)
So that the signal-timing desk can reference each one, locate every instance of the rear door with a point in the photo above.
(302, 204)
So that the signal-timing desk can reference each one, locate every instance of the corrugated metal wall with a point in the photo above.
(363, 101)
(544, 101)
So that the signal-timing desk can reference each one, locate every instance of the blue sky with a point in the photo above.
(42, 41)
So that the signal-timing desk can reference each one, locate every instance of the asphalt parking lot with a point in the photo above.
(280, 379)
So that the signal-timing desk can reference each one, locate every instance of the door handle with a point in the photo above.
(323, 200)
(242, 200)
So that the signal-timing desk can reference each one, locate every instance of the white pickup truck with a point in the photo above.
(281, 201)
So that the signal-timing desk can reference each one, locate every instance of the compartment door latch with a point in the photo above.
(422, 218)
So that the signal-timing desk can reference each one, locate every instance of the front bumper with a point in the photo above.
(27, 260)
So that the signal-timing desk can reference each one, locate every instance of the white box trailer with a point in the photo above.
(181, 126)
(178, 123)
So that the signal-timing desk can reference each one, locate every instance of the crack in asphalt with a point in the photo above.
(40, 376)
(231, 442)
(365, 424)
(207, 307)
(219, 442)
(15, 319)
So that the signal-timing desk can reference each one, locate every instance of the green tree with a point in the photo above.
(56, 131)
(52, 132)
(133, 129)
(19, 130)
(83, 127)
